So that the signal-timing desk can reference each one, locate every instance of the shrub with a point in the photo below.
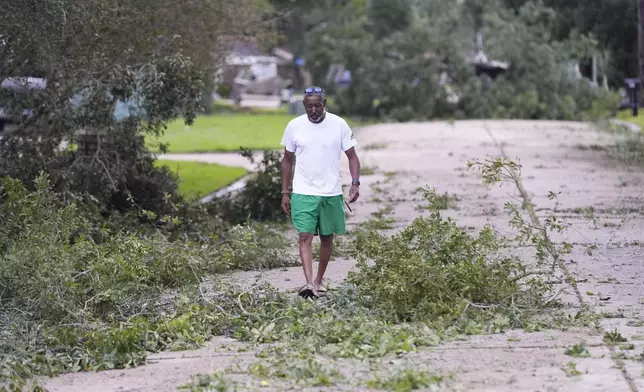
(261, 198)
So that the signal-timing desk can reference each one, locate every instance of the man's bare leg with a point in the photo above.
(326, 247)
(306, 256)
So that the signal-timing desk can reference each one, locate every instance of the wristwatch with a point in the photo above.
(355, 182)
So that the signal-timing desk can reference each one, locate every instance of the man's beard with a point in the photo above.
(317, 117)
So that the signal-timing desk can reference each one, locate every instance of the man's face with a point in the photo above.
(314, 105)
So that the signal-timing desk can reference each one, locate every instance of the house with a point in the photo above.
(248, 69)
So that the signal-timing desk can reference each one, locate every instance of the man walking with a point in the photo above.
(316, 140)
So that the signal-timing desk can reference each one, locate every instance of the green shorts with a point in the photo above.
(318, 215)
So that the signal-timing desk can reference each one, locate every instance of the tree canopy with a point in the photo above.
(150, 57)
(152, 61)
(407, 59)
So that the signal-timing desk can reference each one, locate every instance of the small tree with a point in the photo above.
(148, 58)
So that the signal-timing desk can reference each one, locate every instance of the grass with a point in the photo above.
(198, 179)
(627, 115)
(224, 132)
(228, 130)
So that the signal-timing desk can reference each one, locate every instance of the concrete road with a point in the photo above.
(555, 156)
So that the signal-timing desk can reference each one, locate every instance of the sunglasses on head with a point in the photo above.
(313, 90)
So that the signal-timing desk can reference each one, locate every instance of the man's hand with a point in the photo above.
(354, 193)
(286, 204)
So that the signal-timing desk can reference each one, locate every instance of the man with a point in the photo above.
(316, 141)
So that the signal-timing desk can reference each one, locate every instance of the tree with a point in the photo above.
(298, 21)
(613, 23)
(410, 73)
(150, 55)
(386, 17)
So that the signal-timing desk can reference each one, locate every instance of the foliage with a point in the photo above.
(297, 18)
(579, 350)
(539, 84)
(415, 72)
(436, 270)
(529, 230)
(307, 370)
(260, 199)
(407, 380)
(123, 70)
(386, 17)
(73, 301)
(210, 382)
(612, 23)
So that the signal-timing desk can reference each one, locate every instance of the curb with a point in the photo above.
(628, 125)
(235, 187)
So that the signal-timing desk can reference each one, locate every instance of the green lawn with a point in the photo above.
(627, 115)
(198, 179)
(225, 132)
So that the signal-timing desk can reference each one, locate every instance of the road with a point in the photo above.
(556, 156)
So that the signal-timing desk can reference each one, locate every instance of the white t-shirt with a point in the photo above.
(318, 149)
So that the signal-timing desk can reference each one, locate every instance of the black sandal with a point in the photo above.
(307, 292)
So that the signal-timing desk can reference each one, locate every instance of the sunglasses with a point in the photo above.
(313, 90)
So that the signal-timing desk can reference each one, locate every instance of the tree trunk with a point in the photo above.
(595, 69)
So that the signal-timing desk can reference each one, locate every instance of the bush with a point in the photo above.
(261, 198)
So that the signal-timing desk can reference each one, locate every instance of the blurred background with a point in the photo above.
(94, 93)
(425, 59)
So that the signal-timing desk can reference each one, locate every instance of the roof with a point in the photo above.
(235, 59)
(24, 83)
(243, 49)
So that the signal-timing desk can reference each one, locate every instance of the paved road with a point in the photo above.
(556, 157)
(256, 101)
(222, 158)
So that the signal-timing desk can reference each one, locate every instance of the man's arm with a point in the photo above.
(354, 169)
(348, 145)
(286, 167)
(354, 163)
